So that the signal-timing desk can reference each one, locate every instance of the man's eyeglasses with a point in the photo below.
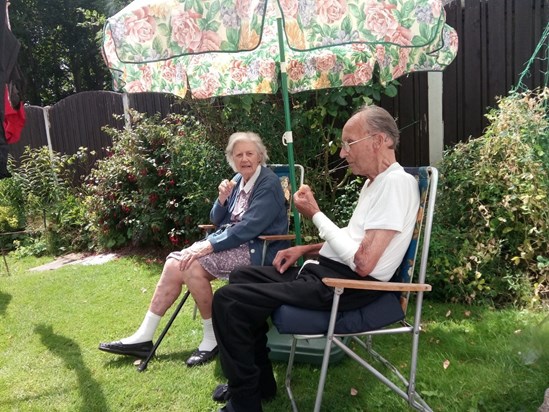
(347, 145)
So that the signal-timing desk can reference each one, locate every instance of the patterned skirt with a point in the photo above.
(220, 264)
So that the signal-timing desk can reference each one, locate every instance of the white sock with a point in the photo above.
(145, 331)
(208, 340)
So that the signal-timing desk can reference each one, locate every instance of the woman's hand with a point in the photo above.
(196, 250)
(225, 188)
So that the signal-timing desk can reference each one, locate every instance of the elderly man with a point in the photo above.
(370, 247)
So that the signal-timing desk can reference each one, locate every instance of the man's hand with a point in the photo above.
(305, 202)
(286, 258)
(196, 250)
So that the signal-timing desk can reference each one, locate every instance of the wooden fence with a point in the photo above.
(497, 38)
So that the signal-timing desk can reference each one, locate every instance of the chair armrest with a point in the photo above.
(374, 285)
(271, 238)
(206, 228)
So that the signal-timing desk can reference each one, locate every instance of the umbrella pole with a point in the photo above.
(287, 139)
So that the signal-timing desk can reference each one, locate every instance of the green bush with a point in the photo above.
(490, 240)
(156, 184)
(46, 191)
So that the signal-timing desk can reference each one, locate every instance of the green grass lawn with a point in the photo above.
(471, 358)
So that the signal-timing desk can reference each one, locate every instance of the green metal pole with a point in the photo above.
(288, 138)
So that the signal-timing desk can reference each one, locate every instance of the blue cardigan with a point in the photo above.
(267, 214)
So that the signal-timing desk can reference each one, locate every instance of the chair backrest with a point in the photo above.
(283, 172)
(427, 178)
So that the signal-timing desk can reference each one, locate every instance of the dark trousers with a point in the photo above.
(241, 310)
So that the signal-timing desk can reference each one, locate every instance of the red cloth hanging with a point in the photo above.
(14, 119)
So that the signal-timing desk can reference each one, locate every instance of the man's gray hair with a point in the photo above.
(379, 120)
(245, 137)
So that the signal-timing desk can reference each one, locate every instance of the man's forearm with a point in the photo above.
(311, 250)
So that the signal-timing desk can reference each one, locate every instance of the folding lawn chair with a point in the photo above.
(384, 316)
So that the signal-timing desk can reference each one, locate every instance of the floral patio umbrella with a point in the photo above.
(230, 47)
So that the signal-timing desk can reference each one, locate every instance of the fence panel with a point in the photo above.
(497, 38)
(33, 134)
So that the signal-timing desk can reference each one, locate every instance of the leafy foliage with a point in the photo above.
(59, 53)
(492, 222)
(48, 189)
(157, 183)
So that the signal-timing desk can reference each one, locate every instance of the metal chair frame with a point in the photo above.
(407, 389)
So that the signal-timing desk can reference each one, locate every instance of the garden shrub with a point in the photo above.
(157, 183)
(491, 235)
(47, 187)
(11, 198)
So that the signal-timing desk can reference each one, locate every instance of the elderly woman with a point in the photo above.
(249, 205)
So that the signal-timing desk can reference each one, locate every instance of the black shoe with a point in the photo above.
(222, 393)
(140, 350)
(250, 404)
(227, 408)
(200, 357)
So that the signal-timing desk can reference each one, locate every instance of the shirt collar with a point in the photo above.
(250, 184)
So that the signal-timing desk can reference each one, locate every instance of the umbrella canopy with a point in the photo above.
(230, 47)
(221, 48)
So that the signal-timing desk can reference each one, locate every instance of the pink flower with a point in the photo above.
(289, 8)
(140, 26)
(185, 30)
(359, 47)
(400, 69)
(210, 84)
(325, 62)
(168, 70)
(331, 10)
(295, 70)
(379, 18)
(362, 75)
(210, 41)
(135, 86)
(238, 71)
(401, 36)
(146, 76)
(453, 40)
(267, 69)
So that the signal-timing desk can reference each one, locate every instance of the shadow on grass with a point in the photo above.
(5, 300)
(70, 353)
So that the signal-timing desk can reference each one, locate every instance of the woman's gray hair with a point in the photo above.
(246, 137)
